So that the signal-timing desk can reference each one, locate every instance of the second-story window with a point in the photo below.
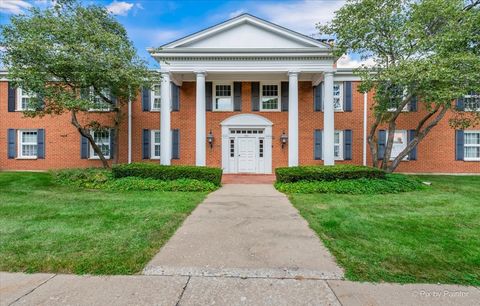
(223, 100)
(24, 99)
(270, 100)
(472, 102)
(156, 97)
(338, 96)
(99, 104)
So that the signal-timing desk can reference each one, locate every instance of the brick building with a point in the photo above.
(245, 95)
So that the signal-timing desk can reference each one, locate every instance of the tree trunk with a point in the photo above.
(372, 141)
(118, 117)
(86, 133)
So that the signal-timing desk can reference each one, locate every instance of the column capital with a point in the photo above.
(293, 72)
(200, 72)
(329, 72)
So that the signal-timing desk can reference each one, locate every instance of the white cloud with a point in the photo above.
(14, 6)
(300, 16)
(346, 61)
(119, 8)
(236, 13)
(155, 37)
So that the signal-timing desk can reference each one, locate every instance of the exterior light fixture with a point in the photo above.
(283, 139)
(210, 139)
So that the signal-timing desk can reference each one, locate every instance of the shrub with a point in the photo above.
(168, 173)
(326, 173)
(136, 183)
(87, 178)
(392, 183)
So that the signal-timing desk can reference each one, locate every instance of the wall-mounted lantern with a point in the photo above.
(210, 139)
(283, 139)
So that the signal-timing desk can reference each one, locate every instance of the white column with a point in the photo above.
(292, 119)
(200, 121)
(328, 121)
(165, 129)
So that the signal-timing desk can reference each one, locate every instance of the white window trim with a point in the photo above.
(214, 95)
(470, 145)
(20, 143)
(91, 152)
(470, 97)
(341, 97)
(152, 99)
(152, 144)
(279, 97)
(341, 155)
(91, 95)
(405, 136)
(19, 97)
(405, 109)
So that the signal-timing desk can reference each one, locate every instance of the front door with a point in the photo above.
(246, 158)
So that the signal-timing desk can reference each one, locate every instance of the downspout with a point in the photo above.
(365, 105)
(129, 130)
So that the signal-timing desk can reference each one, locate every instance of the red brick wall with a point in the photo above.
(435, 154)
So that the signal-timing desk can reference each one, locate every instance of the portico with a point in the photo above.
(273, 60)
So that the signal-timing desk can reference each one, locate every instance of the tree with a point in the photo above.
(74, 59)
(425, 50)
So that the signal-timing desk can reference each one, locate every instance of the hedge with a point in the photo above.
(326, 173)
(168, 173)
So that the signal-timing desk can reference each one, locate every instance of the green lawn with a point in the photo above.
(426, 236)
(49, 228)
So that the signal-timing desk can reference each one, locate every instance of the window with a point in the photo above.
(472, 102)
(27, 143)
(270, 100)
(338, 96)
(399, 143)
(155, 147)
(223, 100)
(232, 147)
(102, 139)
(99, 105)
(24, 99)
(337, 145)
(397, 99)
(472, 145)
(260, 148)
(156, 97)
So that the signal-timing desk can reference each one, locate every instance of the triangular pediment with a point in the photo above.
(246, 32)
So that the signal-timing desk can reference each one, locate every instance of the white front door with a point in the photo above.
(246, 158)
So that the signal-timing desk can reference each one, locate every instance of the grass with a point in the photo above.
(45, 227)
(428, 236)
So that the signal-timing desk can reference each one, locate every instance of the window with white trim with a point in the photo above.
(102, 139)
(400, 97)
(156, 97)
(472, 102)
(155, 144)
(471, 145)
(24, 99)
(338, 96)
(270, 98)
(99, 105)
(27, 143)
(337, 145)
(223, 97)
(400, 141)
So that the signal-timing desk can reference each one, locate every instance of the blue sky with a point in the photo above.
(151, 23)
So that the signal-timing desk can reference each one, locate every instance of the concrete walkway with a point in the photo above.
(245, 231)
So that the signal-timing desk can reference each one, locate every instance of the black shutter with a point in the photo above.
(41, 144)
(146, 144)
(12, 143)
(146, 99)
(175, 97)
(175, 144)
(382, 139)
(347, 144)
(412, 106)
(112, 143)
(208, 96)
(237, 96)
(460, 104)
(84, 146)
(317, 98)
(413, 153)
(284, 96)
(459, 144)
(255, 96)
(12, 93)
(347, 99)
(317, 145)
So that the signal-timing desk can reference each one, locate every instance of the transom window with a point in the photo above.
(156, 97)
(223, 100)
(246, 131)
(472, 145)
(472, 102)
(27, 143)
(338, 96)
(99, 105)
(155, 147)
(102, 139)
(24, 99)
(270, 100)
